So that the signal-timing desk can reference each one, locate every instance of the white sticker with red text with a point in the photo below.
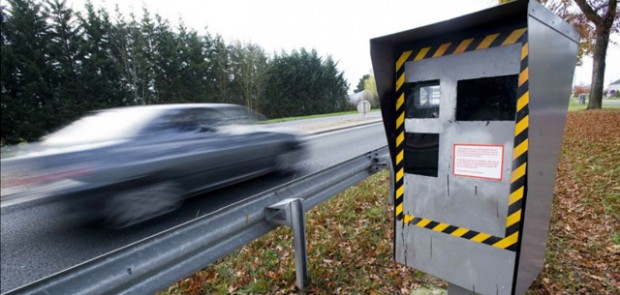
(478, 160)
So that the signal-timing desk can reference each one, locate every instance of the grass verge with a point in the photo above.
(278, 120)
(573, 105)
(350, 236)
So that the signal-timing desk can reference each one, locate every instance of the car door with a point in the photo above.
(184, 144)
(256, 149)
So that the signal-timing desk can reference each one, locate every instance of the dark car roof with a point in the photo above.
(177, 106)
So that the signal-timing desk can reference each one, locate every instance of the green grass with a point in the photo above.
(278, 120)
(573, 106)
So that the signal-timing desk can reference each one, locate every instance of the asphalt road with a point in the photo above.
(37, 242)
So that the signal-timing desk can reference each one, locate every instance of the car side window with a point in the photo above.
(185, 120)
(237, 115)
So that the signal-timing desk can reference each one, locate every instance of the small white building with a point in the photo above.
(355, 97)
(613, 87)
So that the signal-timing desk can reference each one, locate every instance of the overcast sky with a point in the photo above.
(341, 29)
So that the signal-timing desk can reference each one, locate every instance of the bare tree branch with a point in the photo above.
(612, 14)
(589, 12)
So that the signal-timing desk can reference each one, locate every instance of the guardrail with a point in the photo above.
(156, 262)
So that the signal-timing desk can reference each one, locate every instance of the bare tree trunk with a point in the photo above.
(598, 70)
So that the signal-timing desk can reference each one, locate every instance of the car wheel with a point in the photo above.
(137, 205)
(286, 162)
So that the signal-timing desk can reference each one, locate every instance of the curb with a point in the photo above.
(331, 129)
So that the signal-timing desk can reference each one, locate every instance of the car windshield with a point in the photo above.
(239, 115)
(102, 126)
(198, 119)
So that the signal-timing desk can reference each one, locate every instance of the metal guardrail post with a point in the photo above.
(290, 212)
(385, 162)
(299, 239)
(392, 180)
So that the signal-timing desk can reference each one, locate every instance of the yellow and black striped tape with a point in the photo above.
(519, 164)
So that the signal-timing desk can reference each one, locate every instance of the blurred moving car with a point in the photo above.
(134, 163)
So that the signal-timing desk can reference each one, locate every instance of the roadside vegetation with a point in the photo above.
(350, 236)
(59, 63)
